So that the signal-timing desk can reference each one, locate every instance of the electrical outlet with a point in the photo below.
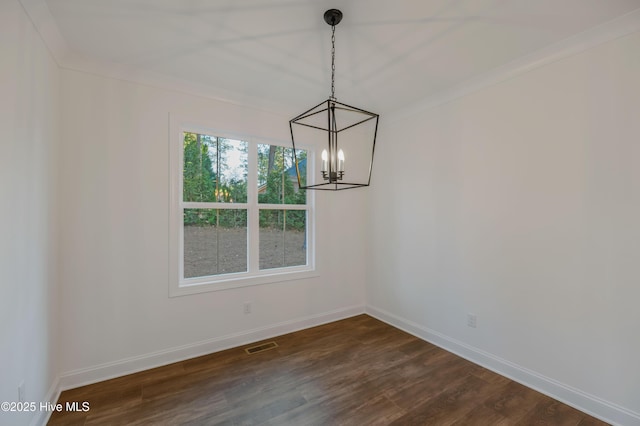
(472, 320)
(247, 308)
(21, 392)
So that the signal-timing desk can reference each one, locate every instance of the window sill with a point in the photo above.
(208, 284)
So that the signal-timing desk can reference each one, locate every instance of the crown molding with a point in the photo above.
(608, 31)
(42, 19)
(132, 74)
(40, 15)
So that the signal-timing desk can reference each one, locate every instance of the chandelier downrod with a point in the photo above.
(333, 18)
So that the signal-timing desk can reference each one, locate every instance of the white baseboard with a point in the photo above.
(98, 373)
(590, 404)
(42, 416)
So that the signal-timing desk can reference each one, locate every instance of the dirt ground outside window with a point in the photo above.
(212, 251)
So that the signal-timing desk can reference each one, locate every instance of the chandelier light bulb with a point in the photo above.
(324, 160)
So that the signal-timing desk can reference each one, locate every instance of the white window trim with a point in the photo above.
(179, 286)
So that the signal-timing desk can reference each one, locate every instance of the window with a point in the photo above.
(238, 216)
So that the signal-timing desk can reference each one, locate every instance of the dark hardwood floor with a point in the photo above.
(357, 371)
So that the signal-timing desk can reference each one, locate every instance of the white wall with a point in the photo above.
(115, 231)
(28, 153)
(521, 203)
(518, 203)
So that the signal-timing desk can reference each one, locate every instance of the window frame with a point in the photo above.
(178, 284)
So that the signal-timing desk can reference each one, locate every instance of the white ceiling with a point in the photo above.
(388, 54)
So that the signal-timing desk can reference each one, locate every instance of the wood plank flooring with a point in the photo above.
(357, 371)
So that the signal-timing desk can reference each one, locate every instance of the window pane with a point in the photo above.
(215, 242)
(283, 239)
(214, 169)
(277, 177)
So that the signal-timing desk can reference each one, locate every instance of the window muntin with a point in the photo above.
(231, 232)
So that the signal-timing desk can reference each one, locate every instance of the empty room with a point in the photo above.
(311, 212)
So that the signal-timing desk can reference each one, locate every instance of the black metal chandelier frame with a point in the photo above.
(334, 174)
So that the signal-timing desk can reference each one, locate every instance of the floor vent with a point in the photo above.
(261, 348)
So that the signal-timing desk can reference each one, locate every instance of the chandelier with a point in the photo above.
(348, 133)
